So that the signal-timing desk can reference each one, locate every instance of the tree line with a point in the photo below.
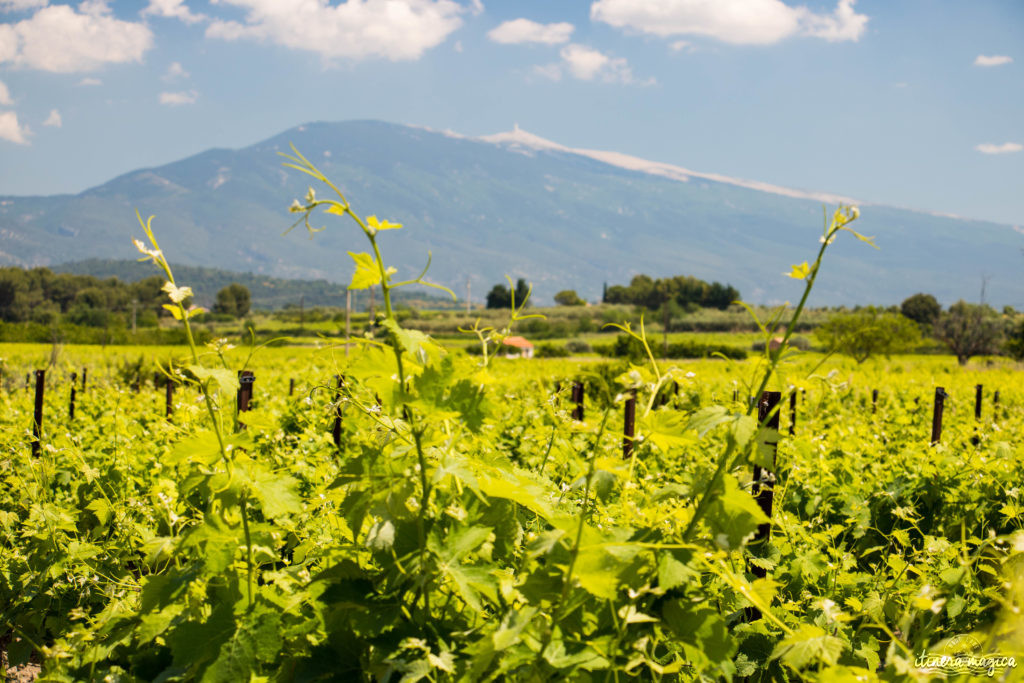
(678, 294)
(38, 295)
(267, 293)
(964, 328)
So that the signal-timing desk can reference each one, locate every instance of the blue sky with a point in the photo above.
(916, 103)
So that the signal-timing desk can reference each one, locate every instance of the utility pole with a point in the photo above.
(135, 305)
(469, 296)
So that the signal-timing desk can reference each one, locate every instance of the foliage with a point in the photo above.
(626, 346)
(924, 309)
(684, 290)
(551, 351)
(577, 346)
(39, 295)
(969, 330)
(268, 293)
(1014, 345)
(464, 527)
(233, 300)
(501, 297)
(569, 297)
(868, 332)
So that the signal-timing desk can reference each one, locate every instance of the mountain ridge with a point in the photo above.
(511, 203)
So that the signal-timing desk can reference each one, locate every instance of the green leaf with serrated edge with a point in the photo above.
(706, 419)
(367, 272)
(666, 429)
(511, 627)
(215, 541)
(275, 492)
(868, 652)
(809, 645)
(160, 590)
(601, 570)
(519, 486)
(702, 629)
(469, 581)
(202, 447)
(102, 509)
(734, 515)
(741, 427)
(153, 624)
(256, 640)
(672, 572)
(460, 542)
(226, 380)
(414, 342)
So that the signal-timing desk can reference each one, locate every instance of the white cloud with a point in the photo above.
(5, 95)
(11, 130)
(176, 99)
(1005, 148)
(173, 9)
(476, 7)
(526, 31)
(61, 39)
(54, 119)
(588, 64)
(584, 62)
(175, 71)
(681, 45)
(755, 22)
(8, 43)
(21, 5)
(90, 81)
(356, 29)
(992, 60)
(843, 24)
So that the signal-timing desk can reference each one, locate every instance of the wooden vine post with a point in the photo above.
(629, 426)
(71, 399)
(336, 429)
(792, 413)
(764, 484)
(577, 399)
(940, 401)
(37, 416)
(245, 382)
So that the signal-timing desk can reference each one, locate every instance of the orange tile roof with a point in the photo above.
(518, 342)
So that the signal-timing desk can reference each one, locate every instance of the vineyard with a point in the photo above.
(398, 512)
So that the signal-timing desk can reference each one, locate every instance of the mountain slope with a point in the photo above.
(511, 204)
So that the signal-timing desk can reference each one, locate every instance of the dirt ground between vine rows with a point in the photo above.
(24, 673)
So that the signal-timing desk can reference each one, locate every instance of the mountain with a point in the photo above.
(511, 204)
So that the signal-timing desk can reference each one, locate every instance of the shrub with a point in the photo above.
(550, 351)
(868, 332)
(577, 346)
(631, 348)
